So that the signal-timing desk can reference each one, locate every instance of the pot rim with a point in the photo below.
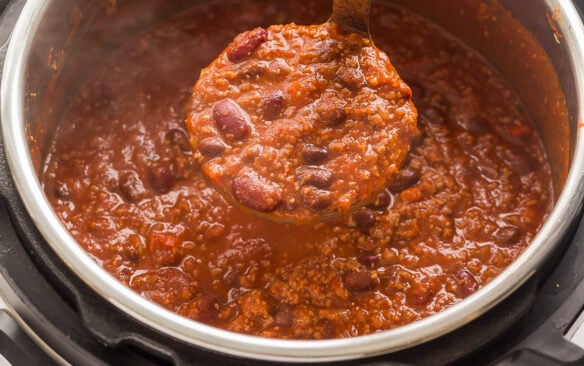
(22, 169)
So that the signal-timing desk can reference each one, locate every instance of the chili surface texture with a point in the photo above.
(471, 195)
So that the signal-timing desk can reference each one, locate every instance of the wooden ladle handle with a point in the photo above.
(352, 14)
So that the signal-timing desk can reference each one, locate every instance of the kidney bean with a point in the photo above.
(381, 201)
(161, 177)
(407, 177)
(231, 278)
(211, 147)
(178, 138)
(364, 218)
(230, 119)
(131, 186)
(317, 177)
(507, 235)
(466, 282)
(245, 43)
(256, 192)
(351, 78)
(369, 260)
(284, 317)
(316, 199)
(358, 281)
(313, 154)
(272, 104)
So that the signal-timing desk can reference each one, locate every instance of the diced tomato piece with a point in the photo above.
(519, 131)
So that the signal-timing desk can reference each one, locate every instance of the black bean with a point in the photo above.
(256, 192)
(231, 278)
(245, 43)
(230, 119)
(381, 201)
(161, 177)
(272, 104)
(211, 147)
(317, 177)
(407, 177)
(178, 138)
(358, 281)
(369, 260)
(507, 235)
(316, 199)
(312, 154)
(364, 218)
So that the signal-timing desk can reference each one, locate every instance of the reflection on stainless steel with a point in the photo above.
(578, 332)
(575, 333)
(45, 26)
(8, 301)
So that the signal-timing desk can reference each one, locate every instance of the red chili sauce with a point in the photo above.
(471, 195)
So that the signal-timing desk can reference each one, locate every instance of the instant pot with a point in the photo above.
(60, 307)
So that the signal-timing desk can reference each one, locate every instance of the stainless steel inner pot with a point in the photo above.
(48, 54)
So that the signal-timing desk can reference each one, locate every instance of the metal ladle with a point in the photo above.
(352, 14)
